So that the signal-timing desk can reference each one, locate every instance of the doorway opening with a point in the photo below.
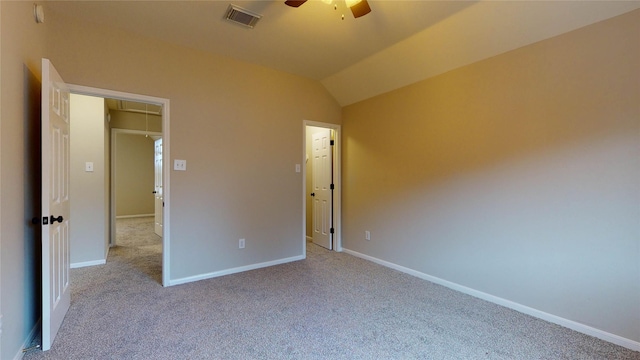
(321, 185)
(136, 178)
(136, 193)
(158, 178)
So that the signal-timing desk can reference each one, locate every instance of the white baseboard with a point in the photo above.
(134, 216)
(88, 263)
(32, 335)
(573, 325)
(234, 270)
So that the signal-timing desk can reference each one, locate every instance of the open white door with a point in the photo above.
(159, 200)
(322, 168)
(56, 292)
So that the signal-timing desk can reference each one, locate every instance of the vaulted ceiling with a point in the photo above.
(398, 43)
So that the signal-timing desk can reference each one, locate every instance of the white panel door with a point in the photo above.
(159, 199)
(321, 195)
(56, 292)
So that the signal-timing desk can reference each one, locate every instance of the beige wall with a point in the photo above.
(133, 183)
(238, 126)
(134, 174)
(22, 48)
(88, 189)
(516, 176)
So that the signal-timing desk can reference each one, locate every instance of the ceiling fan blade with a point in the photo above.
(360, 9)
(295, 3)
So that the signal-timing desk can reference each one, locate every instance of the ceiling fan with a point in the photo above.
(358, 7)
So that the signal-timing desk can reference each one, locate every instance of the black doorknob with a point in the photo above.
(53, 219)
(313, 194)
(154, 192)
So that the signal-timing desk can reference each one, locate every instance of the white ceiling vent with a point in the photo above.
(242, 16)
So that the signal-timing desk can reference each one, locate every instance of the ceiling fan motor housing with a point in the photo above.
(360, 9)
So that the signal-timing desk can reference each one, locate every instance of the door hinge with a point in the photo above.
(331, 231)
(331, 187)
(332, 142)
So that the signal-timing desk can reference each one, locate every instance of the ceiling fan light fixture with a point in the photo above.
(295, 3)
(358, 7)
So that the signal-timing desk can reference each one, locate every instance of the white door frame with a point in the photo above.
(112, 179)
(119, 95)
(337, 192)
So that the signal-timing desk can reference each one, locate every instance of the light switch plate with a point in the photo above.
(88, 166)
(297, 168)
(180, 165)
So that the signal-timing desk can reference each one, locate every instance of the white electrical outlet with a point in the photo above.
(241, 244)
(367, 235)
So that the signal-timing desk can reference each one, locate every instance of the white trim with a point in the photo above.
(235, 270)
(337, 181)
(136, 132)
(112, 94)
(32, 335)
(88, 263)
(166, 195)
(134, 216)
(573, 325)
(166, 156)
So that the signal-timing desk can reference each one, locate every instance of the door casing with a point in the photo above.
(337, 192)
(165, 103)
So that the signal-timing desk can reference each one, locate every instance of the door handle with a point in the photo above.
(53, 219)
(154, 192)
(313, 194)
